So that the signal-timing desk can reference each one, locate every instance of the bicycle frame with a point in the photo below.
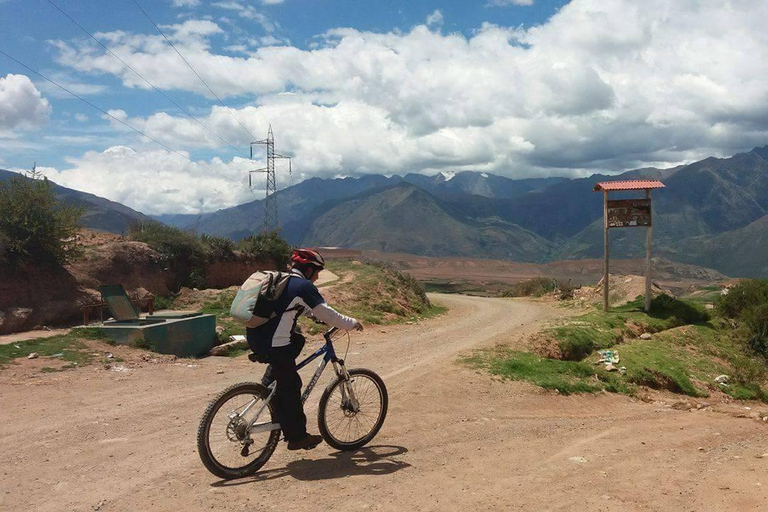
(329, 355)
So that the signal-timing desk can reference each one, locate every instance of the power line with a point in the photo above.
(142, 77)
(253, 137)
(117, 119)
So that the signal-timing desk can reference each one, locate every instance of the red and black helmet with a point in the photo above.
(308, 257)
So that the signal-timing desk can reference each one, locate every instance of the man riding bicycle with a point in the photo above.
(279, 342)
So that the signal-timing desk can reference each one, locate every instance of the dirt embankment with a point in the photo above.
(41, 297)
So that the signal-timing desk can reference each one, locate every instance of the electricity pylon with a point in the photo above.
(271, 221)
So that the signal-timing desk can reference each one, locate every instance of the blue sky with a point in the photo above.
(31, 25)
(548, 87)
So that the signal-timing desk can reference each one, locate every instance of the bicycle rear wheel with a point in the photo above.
(348, 426)
(226, 446)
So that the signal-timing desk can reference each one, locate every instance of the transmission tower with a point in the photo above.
(271, 221)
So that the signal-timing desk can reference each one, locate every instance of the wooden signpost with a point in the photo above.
(628, 213)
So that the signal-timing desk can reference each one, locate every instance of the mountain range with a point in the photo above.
(712, 213)
(100, 214)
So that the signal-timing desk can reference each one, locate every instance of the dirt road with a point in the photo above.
(454, 439)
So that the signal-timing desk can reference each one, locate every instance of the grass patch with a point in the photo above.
(67, 347)
(597, 330)
(164, 301)
(566, 377)
(379, 294)
(684, 355)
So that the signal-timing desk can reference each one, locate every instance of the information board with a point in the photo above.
(628, 213)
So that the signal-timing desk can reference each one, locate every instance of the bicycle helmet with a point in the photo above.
(308, 257)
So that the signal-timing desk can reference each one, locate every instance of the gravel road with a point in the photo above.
(454, 439)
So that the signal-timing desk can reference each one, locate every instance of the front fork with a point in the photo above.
(348, 398)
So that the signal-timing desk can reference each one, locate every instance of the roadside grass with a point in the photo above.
(566, 377)
(597, 329)
(220, 307)
(63, 347)
(684, 355)
(378, 294)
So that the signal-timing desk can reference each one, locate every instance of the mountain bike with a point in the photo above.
(239, 432)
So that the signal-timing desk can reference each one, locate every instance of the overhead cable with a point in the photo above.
(253, 137)
(118, 120)
(143, 78)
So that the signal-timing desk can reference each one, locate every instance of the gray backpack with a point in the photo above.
(254, 304)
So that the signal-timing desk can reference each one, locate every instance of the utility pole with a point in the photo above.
(271, 221)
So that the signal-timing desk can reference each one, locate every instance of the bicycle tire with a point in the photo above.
(203, 433)
(321, 417)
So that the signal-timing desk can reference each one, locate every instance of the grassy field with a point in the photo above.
(684, 354)
(64, 347)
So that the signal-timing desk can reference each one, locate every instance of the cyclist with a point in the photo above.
(279, 342)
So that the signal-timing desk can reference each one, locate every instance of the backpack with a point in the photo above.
(254, 304)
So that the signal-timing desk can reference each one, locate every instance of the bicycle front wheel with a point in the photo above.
(227, 447)
(351, 412)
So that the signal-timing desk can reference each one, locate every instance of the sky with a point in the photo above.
(520, 88)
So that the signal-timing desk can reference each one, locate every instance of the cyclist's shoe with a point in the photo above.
(308, 443)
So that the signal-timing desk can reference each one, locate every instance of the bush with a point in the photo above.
(184, 253)
(267, 246)
(755, 321)
(218, 248)
(747, 303)
(535, 287)
(745, 295)
(35, 228)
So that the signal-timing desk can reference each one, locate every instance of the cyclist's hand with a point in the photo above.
(358, 325)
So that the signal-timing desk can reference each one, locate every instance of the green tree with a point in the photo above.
(35, 228)
(266, 246)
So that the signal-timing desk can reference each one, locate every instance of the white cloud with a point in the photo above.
(505, 3)
(157, 181)
(186, 3)
(272, 2)
(81, 117)
(601, 85)
(248, 12)
(21, 104)
(435, 19)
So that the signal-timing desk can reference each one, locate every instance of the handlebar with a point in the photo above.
(330, 332)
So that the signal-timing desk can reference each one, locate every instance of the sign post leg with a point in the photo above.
(606, 251)
(648, 242)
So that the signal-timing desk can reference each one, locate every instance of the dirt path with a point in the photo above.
(454, 439)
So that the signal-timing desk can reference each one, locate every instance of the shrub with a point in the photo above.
(35, 228)
(218, 248)
(266, 246)
(666, 306)
(184, 253)
(755, 321)
(747, 303)
(535, 287)
(745, 295)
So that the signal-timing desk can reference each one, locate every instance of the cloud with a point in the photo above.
(272, 2)
(248, 12)
(157, 181)
(435, 19)
(21, 104)
(186, 3)
(506, 3)
(599, 86)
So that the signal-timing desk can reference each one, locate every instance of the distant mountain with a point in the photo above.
(405, 218)
(705, 206)
(100, 214)
(712, 213)
(295, 206)
(478, 184)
